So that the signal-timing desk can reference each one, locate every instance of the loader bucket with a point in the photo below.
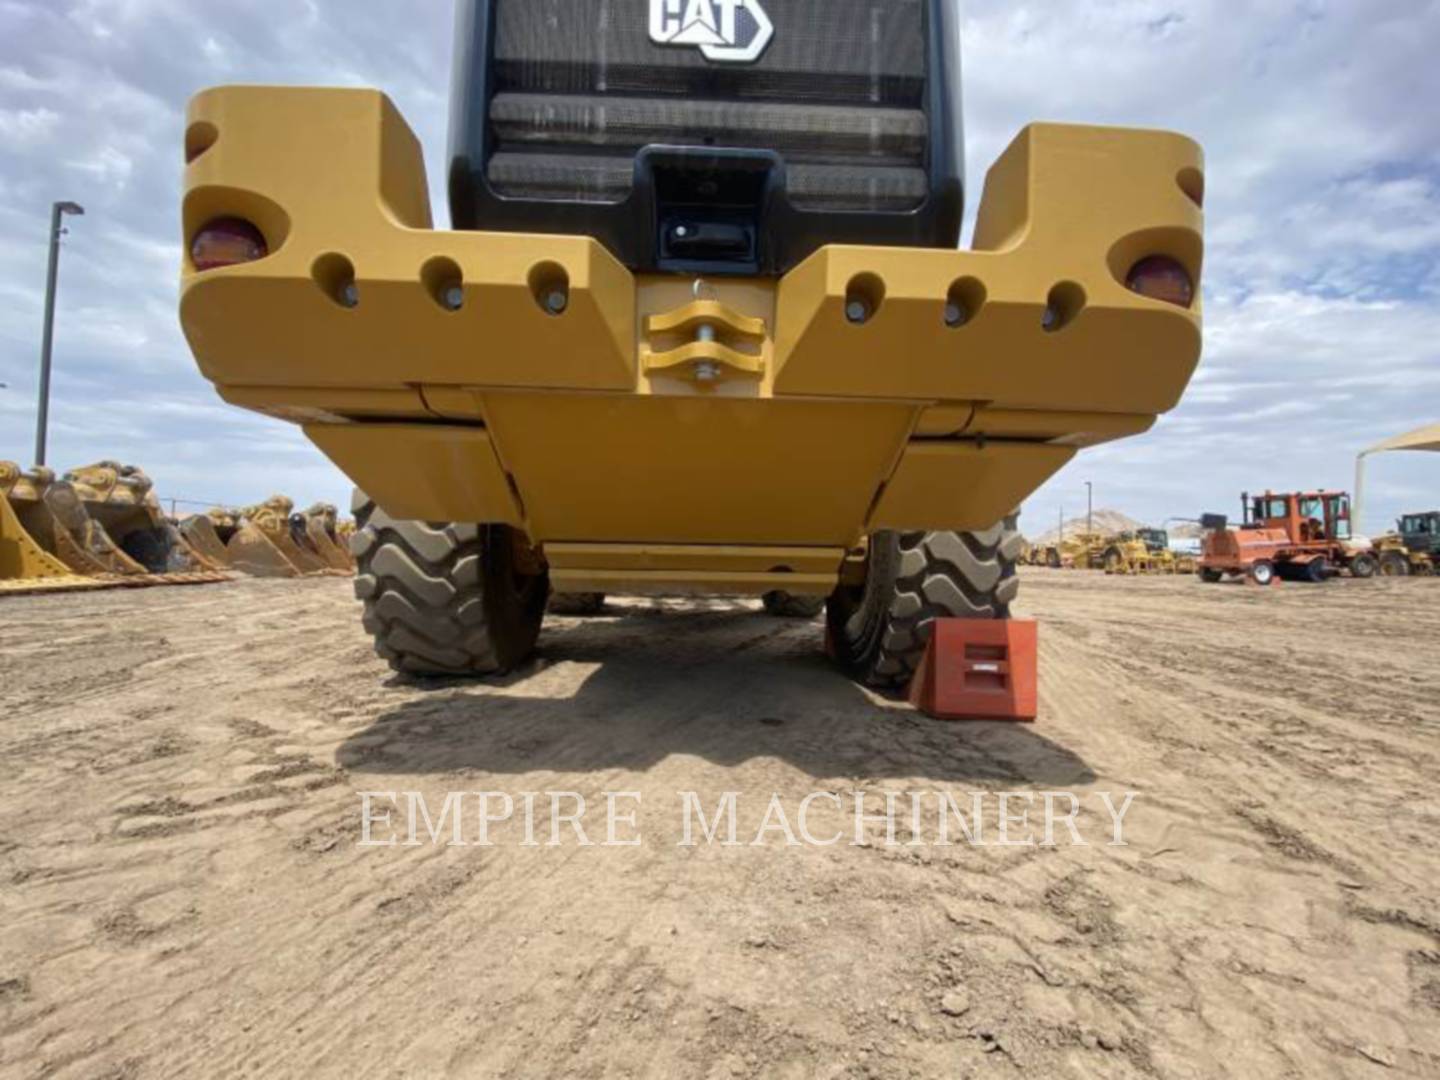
(200, 533)
(263, 545)
(26, 565)
(252, 551)
(121, 504)
(317, 535)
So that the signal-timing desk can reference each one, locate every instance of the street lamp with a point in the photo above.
(42, 419)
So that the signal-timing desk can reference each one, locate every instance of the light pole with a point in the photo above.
(1089, 507)
(42, 419)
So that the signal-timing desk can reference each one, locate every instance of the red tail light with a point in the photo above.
(227, 242)
(1162, 278)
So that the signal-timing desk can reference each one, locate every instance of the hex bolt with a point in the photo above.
(556, 301)
(453, 298)
(857, 311)
(955, 314)
(706, 371)
(350, 294)
(706, 332)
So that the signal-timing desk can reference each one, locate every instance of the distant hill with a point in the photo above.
(1107, 522)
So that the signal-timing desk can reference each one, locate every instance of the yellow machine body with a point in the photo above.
(663, 432)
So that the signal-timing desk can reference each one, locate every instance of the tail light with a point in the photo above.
(227, 242)
(1162, 278)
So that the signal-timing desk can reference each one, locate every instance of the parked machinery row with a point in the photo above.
(102, 526)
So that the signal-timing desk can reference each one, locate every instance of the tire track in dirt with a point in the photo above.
(182, 893)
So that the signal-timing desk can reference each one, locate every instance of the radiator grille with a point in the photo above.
(579, 88)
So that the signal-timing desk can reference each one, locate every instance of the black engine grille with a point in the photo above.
(580, 88)
(569, 118)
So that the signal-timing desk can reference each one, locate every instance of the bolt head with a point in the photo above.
(955, 314)
(350, 294)
(857, 311)
(556, 301)
(453, 297)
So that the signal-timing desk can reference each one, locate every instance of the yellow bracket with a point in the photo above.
(689, 362)
(698, 313)
(704, 326)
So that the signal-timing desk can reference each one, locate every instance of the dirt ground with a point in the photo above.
(183, 892)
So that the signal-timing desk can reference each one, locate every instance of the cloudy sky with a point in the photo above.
(1322, 289)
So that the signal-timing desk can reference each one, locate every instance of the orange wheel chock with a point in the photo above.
(978, 669)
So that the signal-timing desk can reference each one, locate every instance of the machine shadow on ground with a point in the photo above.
(723, 685)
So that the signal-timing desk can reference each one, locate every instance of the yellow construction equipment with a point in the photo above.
(732, 348)
(1144, 551)
(270, 540)
(121, 512)
(55, 518)
(25, 564)
(202, 533)
(1078, 551)
(315, 531)
(1399, 557)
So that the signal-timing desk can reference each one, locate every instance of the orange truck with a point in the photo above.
(1298, 536)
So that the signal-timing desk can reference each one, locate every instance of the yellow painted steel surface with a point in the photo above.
(655, 410)
(22, 560)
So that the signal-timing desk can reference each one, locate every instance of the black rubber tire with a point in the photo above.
(1363, 566)
(784, 605)
(445, 599)
(1317, 570)
(878, 632)
(1393, 564)
(1114, 561)
(578, 604)
(1210, 577)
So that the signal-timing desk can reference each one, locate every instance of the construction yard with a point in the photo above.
(183, 891)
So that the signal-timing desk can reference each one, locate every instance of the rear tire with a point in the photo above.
(445, 599)
(1262, 572)
(784, 605)
(1211, 577)
(1363, 566)
(1393, 564)
(878, 632)
(1317, 570)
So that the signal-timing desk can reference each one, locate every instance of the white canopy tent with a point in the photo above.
(1425, 438)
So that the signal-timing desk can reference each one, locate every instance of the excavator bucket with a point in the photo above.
(263, 544)
(26, 564)
(125, 519)
(317, 534)
(200, 533)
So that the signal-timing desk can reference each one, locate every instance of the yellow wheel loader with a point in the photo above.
(702, 325)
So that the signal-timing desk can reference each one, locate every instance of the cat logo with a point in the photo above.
(726, 31)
